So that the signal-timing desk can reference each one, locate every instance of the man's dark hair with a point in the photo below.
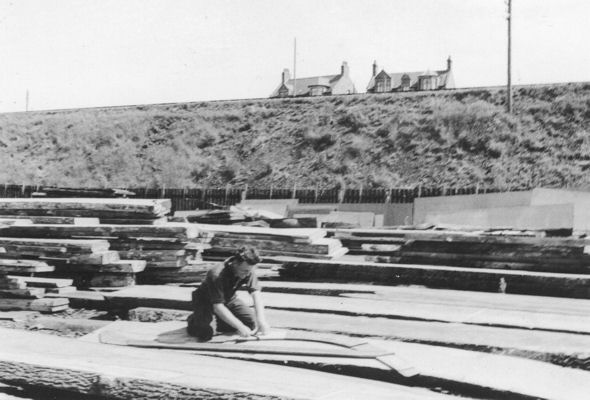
(247, 254)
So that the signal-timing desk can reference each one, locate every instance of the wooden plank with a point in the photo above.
(569, 315)
(491, 280)
(52, 363)
(147, 245)
(41, 305)
(321, 246)
(89, 299)
(457, 237)
(432, 361)
(134, 221)
(151, 255)
(11, 283)
(152, 207)
(558, 265)
(42, 282)
(24, 266)
(35, 219)
(175, 264)
(28, 293)
(564, 349)
(188, 273)
(61, 290)
(168, 231)
(303, 235)
(276, 254)
(71, 246)
(98, 258)
(121, 266)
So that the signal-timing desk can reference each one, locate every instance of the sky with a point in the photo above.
(89, 53)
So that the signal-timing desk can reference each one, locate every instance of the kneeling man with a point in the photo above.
(217, 296)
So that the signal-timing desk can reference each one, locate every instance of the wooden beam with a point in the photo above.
(54, 362)
(24, 266)
(567, 315)
(42, 282)
(97, 206)
(75, 247)
(491, 280)
(168, 231)
(42, 305)
(36, 219)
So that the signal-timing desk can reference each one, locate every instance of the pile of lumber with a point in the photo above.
(107, 210)
(273, 244)
(136, 243)
(159, 250)
(28, 294)
(244, 216)
(470, 249)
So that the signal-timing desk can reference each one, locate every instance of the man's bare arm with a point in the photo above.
(263, 327)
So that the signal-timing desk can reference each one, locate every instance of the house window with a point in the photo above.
(405, 84)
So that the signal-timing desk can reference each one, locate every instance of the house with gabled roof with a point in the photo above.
(315, 85)
(382, 82)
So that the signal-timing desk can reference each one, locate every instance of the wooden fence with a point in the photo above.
(193, 198)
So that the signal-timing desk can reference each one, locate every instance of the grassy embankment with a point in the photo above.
(455, 138)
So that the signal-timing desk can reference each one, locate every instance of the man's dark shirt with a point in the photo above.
(220, 285)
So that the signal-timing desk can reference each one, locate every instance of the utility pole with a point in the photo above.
(27, 101)
(509, 82)
(294, 67)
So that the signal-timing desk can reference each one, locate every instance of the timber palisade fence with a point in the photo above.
(208, 198)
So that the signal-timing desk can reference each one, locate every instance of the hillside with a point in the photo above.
(448, 138)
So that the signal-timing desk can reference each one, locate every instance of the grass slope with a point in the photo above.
(448, 138)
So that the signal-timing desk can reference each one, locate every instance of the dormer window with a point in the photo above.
(405, 83)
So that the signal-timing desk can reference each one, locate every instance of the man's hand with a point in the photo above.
(263, 328)
(244, 331)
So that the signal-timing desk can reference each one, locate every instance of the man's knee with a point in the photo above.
(199, 328)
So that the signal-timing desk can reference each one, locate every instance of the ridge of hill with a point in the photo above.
(451, 138)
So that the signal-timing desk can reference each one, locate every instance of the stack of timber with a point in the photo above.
(18, 293)
(108, 210)
(273, 244)
(470, 249)
(244, 216)
(88, 262)
(163, 251)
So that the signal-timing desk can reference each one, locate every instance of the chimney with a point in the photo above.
(374, 67)
(344, 68)
(285, 76)
(449, 62)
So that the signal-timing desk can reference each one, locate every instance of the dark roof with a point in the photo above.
(302, 84)
(396, 78)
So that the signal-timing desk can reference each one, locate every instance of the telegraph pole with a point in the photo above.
(27, 101)
(294, 67)
(509, 82)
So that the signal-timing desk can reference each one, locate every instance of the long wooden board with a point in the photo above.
(24, 266)
(36, 219)
(447, 277)
(564, 349)
(572, 316)
(43, 282)
(141, 207)
(70, 246)
(42, 305)
(510, 376)
(54, 362)
(169, 231)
